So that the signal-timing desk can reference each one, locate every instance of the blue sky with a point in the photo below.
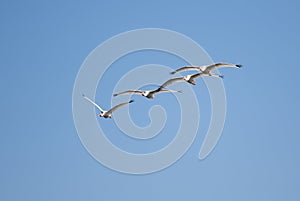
(43, 45)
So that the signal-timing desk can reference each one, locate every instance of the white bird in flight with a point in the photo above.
(206, 69)
(147, 94)
(107, 114)
(188, 78)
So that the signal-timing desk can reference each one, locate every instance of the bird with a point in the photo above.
(103, 113)
(188, 78)
(206, 69)
(147, 94)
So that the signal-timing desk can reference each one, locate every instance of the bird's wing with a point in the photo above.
(117, 107)
(197, 75)
(186, 68)
(95, 104)
(167, 90)
(221, 65)
(128, 92)
(170, 81)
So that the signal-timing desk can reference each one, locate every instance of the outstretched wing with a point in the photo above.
(117, 107)
(186, 68)
(194, 76)
(221, 65)
(166, 91)
(170, 81)
(95, 104)
(128, 92)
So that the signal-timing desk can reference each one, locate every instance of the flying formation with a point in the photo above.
(205, 70)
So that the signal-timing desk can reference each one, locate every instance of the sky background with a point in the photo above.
(44, 43)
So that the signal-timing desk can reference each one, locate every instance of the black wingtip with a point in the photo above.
(222, 76)
(131, 101)
(173, 72)
(115, 94)
(83, 95)
(239, 65)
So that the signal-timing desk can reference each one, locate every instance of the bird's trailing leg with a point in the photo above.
(216, 75)
(192, 81)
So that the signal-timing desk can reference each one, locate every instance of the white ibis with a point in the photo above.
(188, 78)
(206, 69)
(147, 94)
(107, 114)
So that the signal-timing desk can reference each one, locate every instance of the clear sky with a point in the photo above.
(44, 43)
